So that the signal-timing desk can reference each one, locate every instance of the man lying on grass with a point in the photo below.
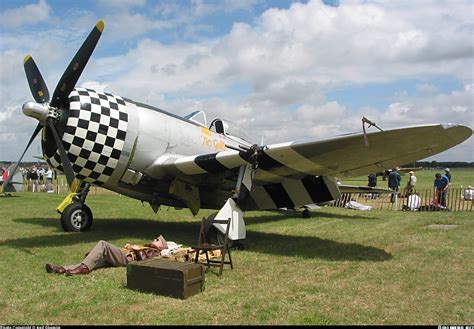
(105, 254)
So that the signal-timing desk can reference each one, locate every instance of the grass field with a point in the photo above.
(337, 267)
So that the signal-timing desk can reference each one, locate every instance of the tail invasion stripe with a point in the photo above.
(279, 195)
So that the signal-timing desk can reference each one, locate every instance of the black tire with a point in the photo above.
(77, 217)
(217, 237)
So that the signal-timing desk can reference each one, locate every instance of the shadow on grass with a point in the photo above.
(8, 195)
(312, 247)
(142, 231)
(278, 216)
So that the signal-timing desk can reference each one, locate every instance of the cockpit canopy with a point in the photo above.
(220, 126)
(229, 128)
(198, 117)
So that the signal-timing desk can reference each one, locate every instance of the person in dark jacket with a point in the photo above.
(394, 179)
(372, 180)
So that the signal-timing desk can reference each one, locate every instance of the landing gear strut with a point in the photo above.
(76, 216)
(216, 233)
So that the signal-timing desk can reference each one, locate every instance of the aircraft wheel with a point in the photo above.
(217, 237)
(77, 217)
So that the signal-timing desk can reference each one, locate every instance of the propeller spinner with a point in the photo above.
(48, 113)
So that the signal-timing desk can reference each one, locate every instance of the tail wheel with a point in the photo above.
(217, 237)
(77, 217)
(214, 236)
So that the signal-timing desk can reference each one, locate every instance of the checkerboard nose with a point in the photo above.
(94, 134)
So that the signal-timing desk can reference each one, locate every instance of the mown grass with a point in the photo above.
(338, 267)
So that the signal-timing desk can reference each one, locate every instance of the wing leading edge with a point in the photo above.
(346, 156)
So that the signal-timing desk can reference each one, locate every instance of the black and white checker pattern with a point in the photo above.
(94, 135)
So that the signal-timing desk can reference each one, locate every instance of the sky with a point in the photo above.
(283, 70)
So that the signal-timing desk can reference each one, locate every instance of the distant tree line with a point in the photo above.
(445, 164)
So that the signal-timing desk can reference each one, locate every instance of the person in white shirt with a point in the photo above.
(469, 193)
(410, 184)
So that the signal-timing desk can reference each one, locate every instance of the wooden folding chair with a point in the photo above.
(204, 247)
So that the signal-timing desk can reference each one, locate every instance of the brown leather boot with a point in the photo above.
(81, 269)
(50, 268)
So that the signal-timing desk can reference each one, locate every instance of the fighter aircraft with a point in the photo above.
(99, 138)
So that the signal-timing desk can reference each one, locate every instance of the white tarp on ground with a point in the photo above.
(357, 206)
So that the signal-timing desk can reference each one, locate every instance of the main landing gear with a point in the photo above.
(76, 216)
(216, 233)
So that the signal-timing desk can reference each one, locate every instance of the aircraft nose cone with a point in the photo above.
(36, 110)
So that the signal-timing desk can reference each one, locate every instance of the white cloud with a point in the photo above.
(122, 4)
(281, 66)
(124, 25)
(26, 15)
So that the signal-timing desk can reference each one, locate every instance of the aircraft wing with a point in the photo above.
(349, 156)
(344, 156)
(299, 173)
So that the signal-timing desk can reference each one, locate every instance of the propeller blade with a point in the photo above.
(35, 80)
(11, 174)
(68, 81)
(66, 163)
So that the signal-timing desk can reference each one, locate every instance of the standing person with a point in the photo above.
(447, 173)
(410, 184)
(41, 175)
(469, 193)
(441, 183)
(394, 179)
(34, 179)
(372, 180)
(105, 254)
(49, 180)
(372, 183)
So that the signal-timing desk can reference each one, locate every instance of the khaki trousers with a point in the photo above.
(104, 254)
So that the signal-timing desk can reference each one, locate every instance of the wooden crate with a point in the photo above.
(167, 278)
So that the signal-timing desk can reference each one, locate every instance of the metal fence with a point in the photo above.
(455, 200)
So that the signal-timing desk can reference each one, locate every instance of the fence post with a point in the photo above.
(395, 201)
